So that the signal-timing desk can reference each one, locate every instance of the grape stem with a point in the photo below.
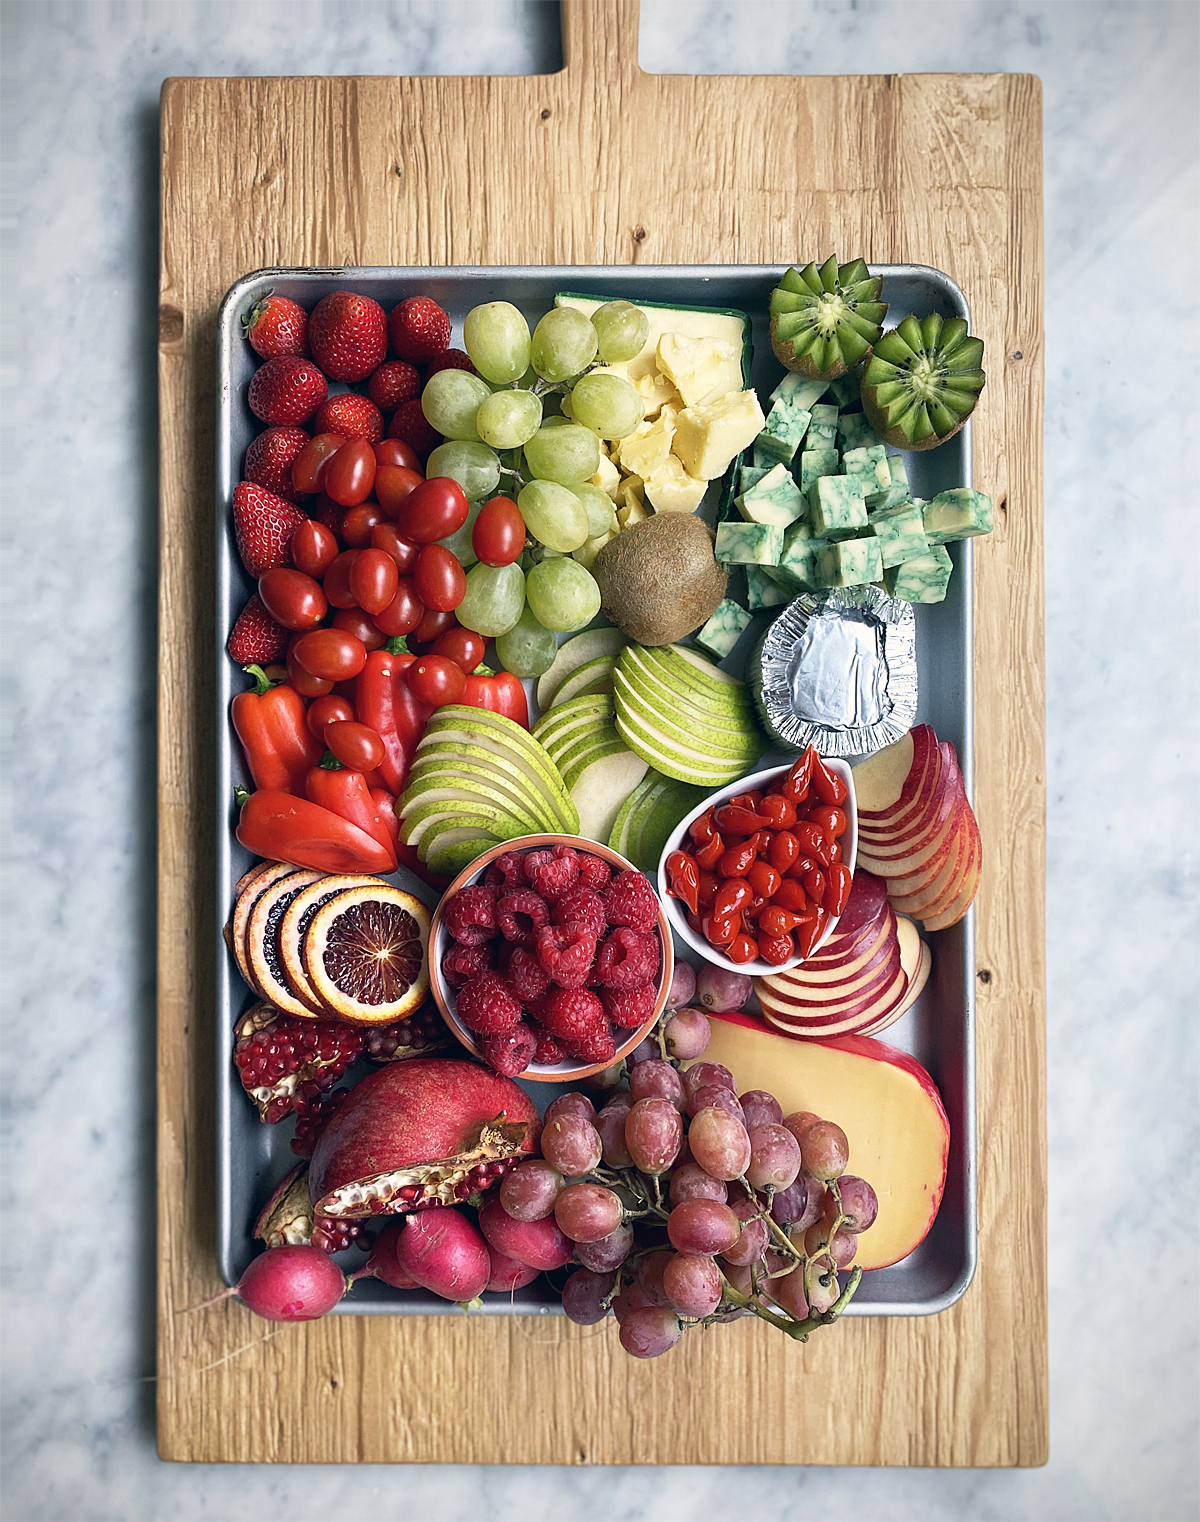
(799, 1330)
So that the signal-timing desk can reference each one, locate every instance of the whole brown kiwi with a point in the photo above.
(658, 580)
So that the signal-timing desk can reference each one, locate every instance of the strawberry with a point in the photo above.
(411, 425)
(286, 390)
(419, 329)
(269, 460)
(450, 359)
(274, 325)
(348, 334)
(352, 416)
(264, 525)
(257, 639)
(393, 384)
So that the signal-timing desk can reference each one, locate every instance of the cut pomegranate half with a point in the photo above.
(365, 954)
(285, 1063)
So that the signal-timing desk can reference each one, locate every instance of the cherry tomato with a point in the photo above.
(439, 579)
(433, 510)
(775, 949)
(743, 948)
(327, 513)
(309, 466)
(777, 812)
(433, 623)
(313, 549)
(462, 646)
(362, 626)
(386, 536)
(499, 533)
(292, 599)
(337, 580)
(358, 523)
(307, 685)
(736, 860)
(350, 474)
(764, 879)
(831, 820)
(434, 679)
(328, 710)
(393, 485)
(397, 452)
(403, 613)
(373, 580)
(331, 653)
(354, 744)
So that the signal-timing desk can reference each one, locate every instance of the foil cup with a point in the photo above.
(838, 670)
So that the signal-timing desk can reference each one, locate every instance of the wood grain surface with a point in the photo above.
(942, 170)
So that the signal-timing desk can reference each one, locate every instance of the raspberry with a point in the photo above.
(419, 329)
(570, 1012)
(532, 860)
(594, 1045)
(630, 900)
(529, 978)
(566, 953)
(493, 878)
(511, 866)
(629, 1007)
(548, 1053)
(581, 908)
(555, 877)
(594, 872)
(627, 959)
(471, 915)
(411, 425)
(487, 1004)
(394, 383)
(512, 1051)
(521, 915)
(462, 963)
(450, 359)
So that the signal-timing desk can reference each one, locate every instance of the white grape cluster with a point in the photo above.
(552, 455)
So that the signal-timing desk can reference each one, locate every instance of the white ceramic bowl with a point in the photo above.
(756, 782)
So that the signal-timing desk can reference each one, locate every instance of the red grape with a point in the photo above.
(719, 1143)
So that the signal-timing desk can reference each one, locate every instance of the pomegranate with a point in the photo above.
(430, 1131)
(285, 1063)
(287, 1218)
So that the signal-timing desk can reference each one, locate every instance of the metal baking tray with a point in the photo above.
(940, 1028)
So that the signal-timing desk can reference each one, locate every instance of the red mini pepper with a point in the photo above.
(384, 702)
(683, 879)
(271, 724)
(827, 785)
(499, 692)
(345, 792)
(281, 827)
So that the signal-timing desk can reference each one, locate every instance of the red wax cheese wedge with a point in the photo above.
(883, 1099)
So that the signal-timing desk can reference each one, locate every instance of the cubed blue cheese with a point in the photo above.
(775, 499)
(921, 580)
(815, 463)
(899, 491)
(958, 514)
(798, 391)
(749, 543)
(847, 389)
(763, 458)
(822, 430)
(799, 568)
(836, 507)
(724, 628)
(762, 589)
(901, 533)
(784, 429)
(851, 563)
(868, 466)
(854, 432)
(749, 474)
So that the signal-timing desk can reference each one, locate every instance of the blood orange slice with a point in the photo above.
(366, 954)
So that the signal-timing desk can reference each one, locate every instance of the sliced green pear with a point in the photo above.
(922, 382)
(421, 818)
(733, 745)
(696, 676)
(655, 824)
(516, 748)
(824, 321)
(456, 849)
(602, 786)
(687, 763)
(426, 795)
(442, 764)
(592, 677)
(624, 829)
(572, 654)
(593, 709)
(587, 751)
(655, 686)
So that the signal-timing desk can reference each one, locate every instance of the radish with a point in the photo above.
(444, 1253)
(289, 1283)
(540, 1244)
(507, 1274)
(382, 1262)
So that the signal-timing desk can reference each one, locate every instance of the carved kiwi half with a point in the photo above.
(823, 321)
(922, 382)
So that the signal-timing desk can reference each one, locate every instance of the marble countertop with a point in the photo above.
(78, 373)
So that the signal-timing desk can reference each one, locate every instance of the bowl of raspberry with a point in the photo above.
(550, 957)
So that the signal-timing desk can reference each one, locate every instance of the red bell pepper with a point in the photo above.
(499, 692)
(270, 723)
(384, 702)
(385, 811)
(344, 792)
(281, 827)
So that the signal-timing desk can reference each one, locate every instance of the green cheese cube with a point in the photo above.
(958, 514)
(799, 568)
(724, 628)
(775, 499)
(763, 457)
(822, 430)
(851, 563)
(762, 589)
(899, 491)
(749, 543)
(748, 475)
(901, 533)
(921, 580)
(798, 391)
(846, 391)
(784, 428)
(814, 463)
(836, 507)
(869, 468)
(854, 432)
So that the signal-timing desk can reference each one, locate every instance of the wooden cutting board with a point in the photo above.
(601, 163)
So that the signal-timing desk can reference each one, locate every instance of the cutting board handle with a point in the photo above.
(600, 37)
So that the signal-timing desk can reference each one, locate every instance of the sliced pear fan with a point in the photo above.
(824, 321)
(922, 381)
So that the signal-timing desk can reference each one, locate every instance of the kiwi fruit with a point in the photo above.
(823, 321)
(922, 382)
(658, 580)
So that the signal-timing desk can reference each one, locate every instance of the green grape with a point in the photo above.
(598, 505)
(565, 408)
(565, 452)
(606, 403)
(528, 648)
(622, 329)
(508, 418)
(562, 594)
(496, 337)
(459, 544)
(474, 466)
(450, 401)
(564, 343)
(554, 515)
(493, 600)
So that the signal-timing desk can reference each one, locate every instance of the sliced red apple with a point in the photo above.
(931, 881)
(840, 1020)
(911, 994)
(868, 895)
(837, 957)
(825, 998)
(942, 918)
(890, 780)
(885, 847)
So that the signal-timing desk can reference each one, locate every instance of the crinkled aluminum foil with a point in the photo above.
(838, 670)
